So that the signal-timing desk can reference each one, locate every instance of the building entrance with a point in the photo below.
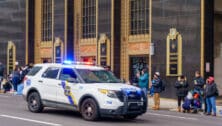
(137, 63)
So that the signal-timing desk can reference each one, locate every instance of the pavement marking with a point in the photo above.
(172, 116)
(30, 120)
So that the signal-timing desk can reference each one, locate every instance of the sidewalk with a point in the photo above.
(171, 104)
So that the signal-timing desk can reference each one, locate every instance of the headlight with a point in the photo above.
(109, 93)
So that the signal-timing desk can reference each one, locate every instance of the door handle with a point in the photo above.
(40, 81)
(59, 84)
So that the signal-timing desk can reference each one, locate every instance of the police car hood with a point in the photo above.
(116, 86)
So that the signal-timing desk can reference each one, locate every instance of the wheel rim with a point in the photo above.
(88, 109)
(33, 102)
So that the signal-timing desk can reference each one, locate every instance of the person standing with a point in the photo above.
(143, 80)
(16, 78)
(182, 89)
(1, 73)
(199, 86)
(211, 94)
(198, 82)
(157, 89)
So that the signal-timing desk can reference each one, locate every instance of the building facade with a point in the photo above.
(50, 31)
(12, 33)
(172, 37)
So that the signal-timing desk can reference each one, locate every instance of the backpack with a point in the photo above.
(163, 85)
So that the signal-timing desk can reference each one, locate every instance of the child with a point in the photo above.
(196, 102)
(187, 102)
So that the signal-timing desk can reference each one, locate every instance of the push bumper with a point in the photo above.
(129, 108)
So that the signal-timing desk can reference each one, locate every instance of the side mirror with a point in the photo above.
(72, 80)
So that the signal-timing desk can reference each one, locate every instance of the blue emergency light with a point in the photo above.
(68, 62)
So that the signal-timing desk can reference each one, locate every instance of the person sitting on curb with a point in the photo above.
(157, 89)
(182, 89)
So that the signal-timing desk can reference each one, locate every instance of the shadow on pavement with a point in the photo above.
(77, 115)
(63, 113)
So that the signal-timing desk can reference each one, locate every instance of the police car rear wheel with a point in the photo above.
(89, 110)
(34, 102)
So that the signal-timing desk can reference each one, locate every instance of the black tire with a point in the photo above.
(34, 103)
(89, 110)
(130, 116)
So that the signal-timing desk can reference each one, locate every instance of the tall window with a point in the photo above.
(139, 17)
(46, 20)
(88, 18)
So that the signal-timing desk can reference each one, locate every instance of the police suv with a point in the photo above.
(91, 90)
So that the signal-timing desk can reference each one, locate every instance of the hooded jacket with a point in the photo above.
(211, 90)
(144, 80)
(182, 88)
(157, 84)
(199, 83)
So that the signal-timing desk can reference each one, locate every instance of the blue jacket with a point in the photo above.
(144, 81)
(157, 85)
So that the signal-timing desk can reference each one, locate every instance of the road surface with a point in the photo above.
(14, 112)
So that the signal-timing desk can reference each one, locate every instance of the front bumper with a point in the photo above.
(129, 108)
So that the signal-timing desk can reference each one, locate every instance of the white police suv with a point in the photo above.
(91, 90)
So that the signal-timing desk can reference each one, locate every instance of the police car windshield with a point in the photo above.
(97, 76)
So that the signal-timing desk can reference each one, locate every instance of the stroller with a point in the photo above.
(192, 102)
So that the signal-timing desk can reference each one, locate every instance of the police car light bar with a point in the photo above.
(68, 62)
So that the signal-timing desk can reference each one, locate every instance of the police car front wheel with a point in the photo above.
(34, 102)
(89, 109)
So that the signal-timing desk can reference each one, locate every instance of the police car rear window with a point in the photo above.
(34, 71)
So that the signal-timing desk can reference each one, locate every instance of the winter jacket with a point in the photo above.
(211, 90)
(157, 85)
(198, 83)
(182, 88)
(144, 80)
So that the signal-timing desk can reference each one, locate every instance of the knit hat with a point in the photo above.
(211, 80)
(157, 73)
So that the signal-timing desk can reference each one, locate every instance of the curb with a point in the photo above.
(171, 105)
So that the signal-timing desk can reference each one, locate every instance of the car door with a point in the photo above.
(66, 91)
(49, 83)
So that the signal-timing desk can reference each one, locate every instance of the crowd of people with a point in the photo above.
(203, 92)
(193, 96)
(11, 81)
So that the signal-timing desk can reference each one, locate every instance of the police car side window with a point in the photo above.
(51, 73)
(67, 73)
(34, 71)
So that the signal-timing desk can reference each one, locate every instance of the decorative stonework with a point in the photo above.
(37, 31)
(88, 50)
(138, 48)
(46, 52)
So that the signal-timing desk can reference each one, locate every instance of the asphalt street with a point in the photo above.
(14, 112)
